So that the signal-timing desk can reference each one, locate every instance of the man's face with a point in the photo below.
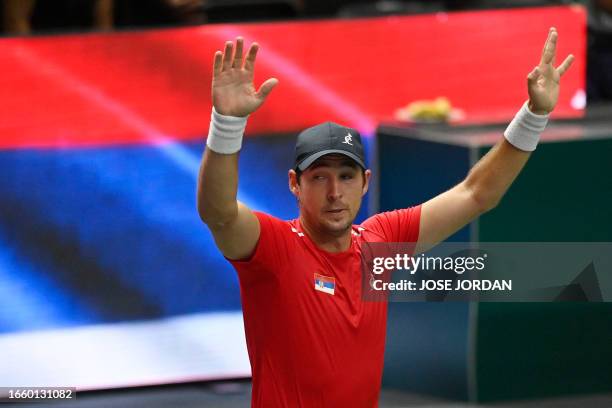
(330, 193)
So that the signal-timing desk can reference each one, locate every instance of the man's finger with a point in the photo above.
(266, 88)
(565, 64)
(548, 54)
(238, 53)
(250, 59)
(532, 77)
(227, 55)
(218, 64)
(545, 47)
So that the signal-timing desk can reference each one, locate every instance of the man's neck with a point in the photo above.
(327, 242)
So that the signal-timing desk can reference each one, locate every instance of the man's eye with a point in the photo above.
(319, 177)
(346, 176)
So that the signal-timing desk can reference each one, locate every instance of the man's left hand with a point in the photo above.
(543, 81)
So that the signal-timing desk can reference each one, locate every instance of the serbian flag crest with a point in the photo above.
(324, 284)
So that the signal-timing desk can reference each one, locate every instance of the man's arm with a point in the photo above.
(490, 178)
(233, 225)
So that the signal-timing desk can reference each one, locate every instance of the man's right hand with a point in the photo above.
(233, 93)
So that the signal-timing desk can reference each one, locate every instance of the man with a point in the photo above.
(312, 340)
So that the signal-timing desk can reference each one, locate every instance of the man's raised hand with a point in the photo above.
(233, 93)
(543, 81)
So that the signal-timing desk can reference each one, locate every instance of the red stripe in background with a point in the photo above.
(151, 86)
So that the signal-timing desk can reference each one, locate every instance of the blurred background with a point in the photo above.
(110, 283)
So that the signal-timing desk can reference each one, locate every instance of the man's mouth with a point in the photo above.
(336, 210)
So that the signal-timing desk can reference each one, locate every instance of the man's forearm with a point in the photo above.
(218, 177)
(217, 188)
(492, 176)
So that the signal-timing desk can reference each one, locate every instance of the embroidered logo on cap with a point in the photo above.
(348, 139)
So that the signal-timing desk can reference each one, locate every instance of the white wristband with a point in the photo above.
(524, 130)
(225, 133)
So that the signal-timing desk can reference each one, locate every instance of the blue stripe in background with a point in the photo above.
(112, 234)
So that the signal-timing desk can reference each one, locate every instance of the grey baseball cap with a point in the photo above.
(328, 138)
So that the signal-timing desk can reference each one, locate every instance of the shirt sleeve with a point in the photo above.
(269, 251)
(396, 226)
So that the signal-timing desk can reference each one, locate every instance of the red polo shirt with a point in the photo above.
(312, 340)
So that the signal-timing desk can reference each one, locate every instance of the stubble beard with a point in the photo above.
(336, 229)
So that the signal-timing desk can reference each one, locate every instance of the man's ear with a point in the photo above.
(294, 187)
(366, 183)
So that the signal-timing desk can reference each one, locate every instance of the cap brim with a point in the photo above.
(304, 164)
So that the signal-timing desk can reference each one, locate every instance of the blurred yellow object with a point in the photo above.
(428, 111)
(438, 109)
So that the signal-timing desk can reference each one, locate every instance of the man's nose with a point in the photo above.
(334, 192)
